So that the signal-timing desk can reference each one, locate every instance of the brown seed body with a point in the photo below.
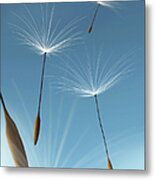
(90, 29)
(109, 165)
(14, 140)
(36, 129)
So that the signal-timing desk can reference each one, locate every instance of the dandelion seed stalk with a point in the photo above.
(102, 132)
(94, 17)
(38, 121)
(42, 81)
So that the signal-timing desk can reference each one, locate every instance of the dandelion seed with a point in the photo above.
(107, 3)
(14, 140)
(45, 39)
(89, 78)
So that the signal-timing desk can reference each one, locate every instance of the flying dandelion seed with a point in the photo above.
(107, 3)
(42, 36)
(14, 140)
(92, 78)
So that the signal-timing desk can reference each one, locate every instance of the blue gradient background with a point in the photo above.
(70, 134)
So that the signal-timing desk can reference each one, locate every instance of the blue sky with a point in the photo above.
(70, 134)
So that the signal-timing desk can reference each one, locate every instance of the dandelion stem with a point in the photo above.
(42, 82)
(101, 127)
(95, 14)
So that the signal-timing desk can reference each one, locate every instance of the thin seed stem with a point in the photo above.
(101, 126)
(42, 82)
(95, 14)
